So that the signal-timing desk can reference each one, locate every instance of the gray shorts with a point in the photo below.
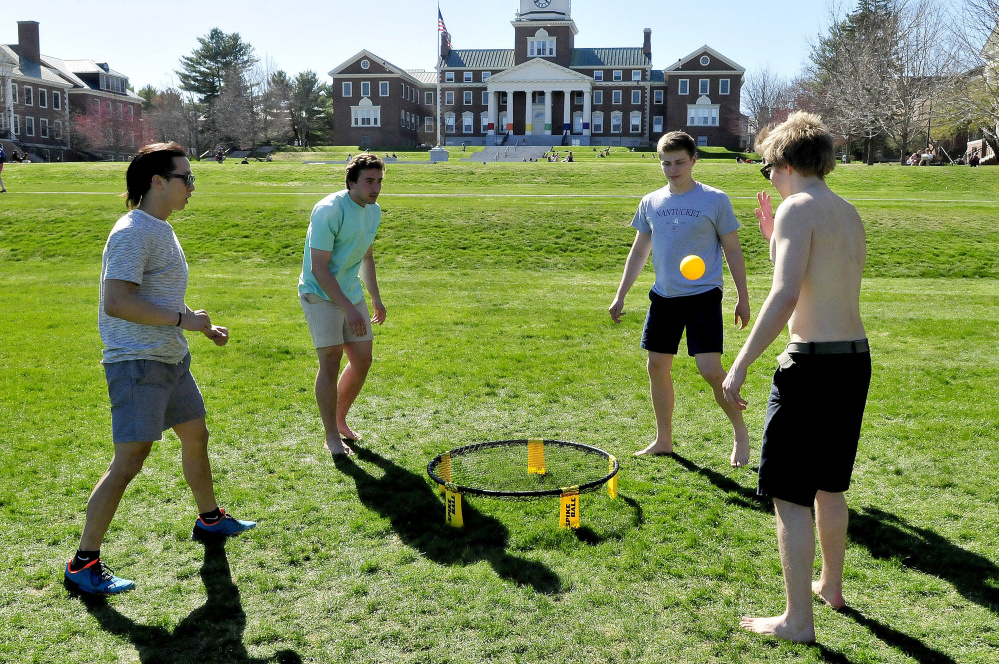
(328, 324)
(149, 397)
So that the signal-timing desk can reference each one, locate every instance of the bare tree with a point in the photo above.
(765, 98)
(112, 129)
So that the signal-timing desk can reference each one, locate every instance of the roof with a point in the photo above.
(423, 76)
(22, 68)
(484, 58)
(678, 65)
(609, 57)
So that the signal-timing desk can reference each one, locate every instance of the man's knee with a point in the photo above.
(128, 459)
(329, 359)
(710, 368)
(659, 363)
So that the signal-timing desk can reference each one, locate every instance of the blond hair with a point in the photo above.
(801, 142)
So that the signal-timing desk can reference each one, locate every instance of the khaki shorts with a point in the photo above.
(328, 323)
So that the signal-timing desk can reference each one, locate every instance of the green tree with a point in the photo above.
(147, 93)
(306, 107)
(204, 72)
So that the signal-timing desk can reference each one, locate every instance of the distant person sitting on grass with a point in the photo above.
(142, 317)
(685, 217)
(820, 388)
(338, 257)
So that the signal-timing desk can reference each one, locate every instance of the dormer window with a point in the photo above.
(113, 83)
(541, 45)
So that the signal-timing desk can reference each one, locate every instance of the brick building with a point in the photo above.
(543, 91)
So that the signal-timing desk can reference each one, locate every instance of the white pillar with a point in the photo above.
(548, 111)
(528, 112)
(509, 112)
(567, 112)
(493, 97)
(586, 112)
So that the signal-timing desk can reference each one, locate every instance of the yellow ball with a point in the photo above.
(692, 267)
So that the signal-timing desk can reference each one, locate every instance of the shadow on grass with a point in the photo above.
(211, 634)
(417, 517)
(588, 535)
(887, 536)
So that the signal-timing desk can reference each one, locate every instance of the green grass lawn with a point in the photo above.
(497, 280)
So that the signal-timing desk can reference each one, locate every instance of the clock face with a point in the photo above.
(542, 3)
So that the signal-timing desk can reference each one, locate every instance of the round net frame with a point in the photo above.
(523, 468)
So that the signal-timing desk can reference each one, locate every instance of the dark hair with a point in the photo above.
(152, 159)
(359, 163)
(677, 140)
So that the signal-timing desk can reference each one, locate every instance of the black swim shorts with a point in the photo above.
(812, 426)
(700, 314)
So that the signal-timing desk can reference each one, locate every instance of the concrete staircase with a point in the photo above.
(510, 153)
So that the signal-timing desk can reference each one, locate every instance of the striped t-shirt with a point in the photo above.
(145, 251)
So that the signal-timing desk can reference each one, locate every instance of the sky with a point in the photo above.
(145, 39)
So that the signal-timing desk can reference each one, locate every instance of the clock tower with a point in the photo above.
(544, 29)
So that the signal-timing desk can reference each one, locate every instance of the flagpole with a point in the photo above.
(439, 62)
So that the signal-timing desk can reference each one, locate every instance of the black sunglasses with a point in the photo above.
(767, 168)
(188, 179)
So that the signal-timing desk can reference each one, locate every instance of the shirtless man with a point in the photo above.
(816, 404)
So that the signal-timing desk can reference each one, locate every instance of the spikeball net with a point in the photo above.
(524, 468)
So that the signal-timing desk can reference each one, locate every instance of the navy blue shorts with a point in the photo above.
(812, 426)
(700, 315)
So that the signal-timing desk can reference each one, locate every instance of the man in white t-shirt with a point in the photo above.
(681, 219)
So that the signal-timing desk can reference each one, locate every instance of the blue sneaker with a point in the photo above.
(227, 526)
(96, 579)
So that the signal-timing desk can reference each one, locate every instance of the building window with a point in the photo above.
(577, 122)
(467, 98)
(705, 61)
(616, 97)
(365, 64)
(449, 122)
(449, 97)
(428, 125)
(17, 125)
(483, 123)
(485, 98)
(44, 127)
(724, 86)
(636, 122)
(57, 130)
(405, 91)
(56, 100)
(428, 98)
(636, 96)
(28, 99)
(657, 124)
(365, 115)
(702, 141)
(684, 86)
(486, 74)
(658, 96)
(617, 75)
(365, 88)
(616, 119)
(541, 45)
(449, 77)
(636, 74)
(13, 95)
(598, 97)
(29, 126)
(348, 89)
(598, 75)
(703, 86)
(43, 98)
(577, 97)
(702, 115)
(467, 77)
(383, 88)
(468, 122)
(598, 122)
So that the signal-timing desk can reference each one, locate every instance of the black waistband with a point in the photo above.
(828, 347)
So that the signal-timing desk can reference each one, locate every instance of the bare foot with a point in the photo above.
(832, 598)
(656, 448)
(347, 433)
(740, 449)
(778, 626)
(337, 448)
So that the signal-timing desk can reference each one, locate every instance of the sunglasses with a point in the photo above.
(188, 179)
(767, 168)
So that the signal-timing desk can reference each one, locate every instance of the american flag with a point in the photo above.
(443, 28)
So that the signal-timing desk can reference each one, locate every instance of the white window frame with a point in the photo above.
(724, 86)
(617, 75)
(428, 98)
(449, 77)
(13, 94)
(486, 75)
(684, 87)
(468, 122)
(28, 98)
(657, 124)
(17, 125)
(373, 115)
(636, 74)
(428, 124)
(449, 119)
(365, 88)
(29, 125)
(704, 86)
(57, 130)
(617, 96)
(347, 89)
(635, 122)
(43, 98)
(383, 88)
(636, 96)
(43, 127)
(466, 77)
(702, 115)
(658, 96)
(598, 97)
(449, 97)
(617, 119)
(485, 98)
(466, 98)
(702, 141)
(543, 47)
(597, 122)
(57, 100)
(484, 122)
(577, 97)
(598, 75)
(577, 122)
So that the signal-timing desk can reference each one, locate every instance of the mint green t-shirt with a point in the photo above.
(341, 226)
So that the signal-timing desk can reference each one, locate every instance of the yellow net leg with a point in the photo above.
(612, 482)
(569, 508)
(444, 470)
(452, 500)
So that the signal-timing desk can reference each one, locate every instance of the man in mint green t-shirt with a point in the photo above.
(337, 258)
